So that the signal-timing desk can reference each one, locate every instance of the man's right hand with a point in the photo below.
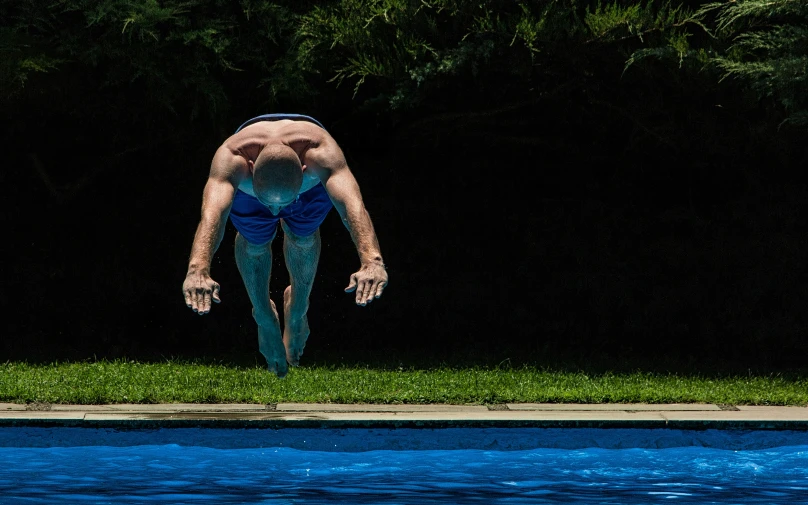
(199, 289)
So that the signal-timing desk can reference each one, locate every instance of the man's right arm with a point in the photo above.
(226, 173)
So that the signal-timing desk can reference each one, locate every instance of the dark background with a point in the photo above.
(621, 218)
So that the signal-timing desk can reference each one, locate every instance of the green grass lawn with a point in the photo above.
(122, 381)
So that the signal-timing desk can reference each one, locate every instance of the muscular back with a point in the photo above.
(301, 136)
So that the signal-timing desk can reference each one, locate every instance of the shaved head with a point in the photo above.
(277, 174)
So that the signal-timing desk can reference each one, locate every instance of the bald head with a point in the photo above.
(277, 175)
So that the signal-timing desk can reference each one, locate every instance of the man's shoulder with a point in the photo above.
(229, 162)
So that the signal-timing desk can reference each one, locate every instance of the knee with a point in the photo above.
(303, 241)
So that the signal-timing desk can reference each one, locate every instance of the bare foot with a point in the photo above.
(295, 330)
(270, 344)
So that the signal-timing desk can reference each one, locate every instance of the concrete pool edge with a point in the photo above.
(672, 416)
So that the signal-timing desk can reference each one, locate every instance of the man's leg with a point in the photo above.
(301, 255)
(255, 265)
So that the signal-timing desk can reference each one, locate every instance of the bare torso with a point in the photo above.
(299, 135)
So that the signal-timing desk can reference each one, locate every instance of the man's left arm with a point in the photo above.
(371, 279)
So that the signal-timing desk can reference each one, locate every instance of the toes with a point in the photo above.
(293, 357)
(279, 368)
(282, 370)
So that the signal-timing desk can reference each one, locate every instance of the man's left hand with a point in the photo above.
(368, 282)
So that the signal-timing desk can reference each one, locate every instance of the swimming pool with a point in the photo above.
(405, 465)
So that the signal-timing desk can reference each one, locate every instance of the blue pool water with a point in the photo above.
(406, 466)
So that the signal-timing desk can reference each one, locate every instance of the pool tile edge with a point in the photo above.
(705, 416)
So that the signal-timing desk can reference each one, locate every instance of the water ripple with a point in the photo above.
(187, 474)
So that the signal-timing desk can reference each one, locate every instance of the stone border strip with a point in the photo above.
(679, 416)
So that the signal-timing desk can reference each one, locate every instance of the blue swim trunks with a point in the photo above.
(257, 224)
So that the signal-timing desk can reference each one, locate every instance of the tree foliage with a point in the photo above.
(407, 50)
(762, 43)
(402, 50)
(176, 57)
(154, 65)
(769, 50)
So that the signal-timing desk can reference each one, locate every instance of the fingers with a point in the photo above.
(204, 306)
(196, 300)
(363, 293)
(366, 288)
(367, 291)
(207, 296)
(352, 284)
(199, 299)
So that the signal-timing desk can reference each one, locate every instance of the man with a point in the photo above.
(280, 168)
